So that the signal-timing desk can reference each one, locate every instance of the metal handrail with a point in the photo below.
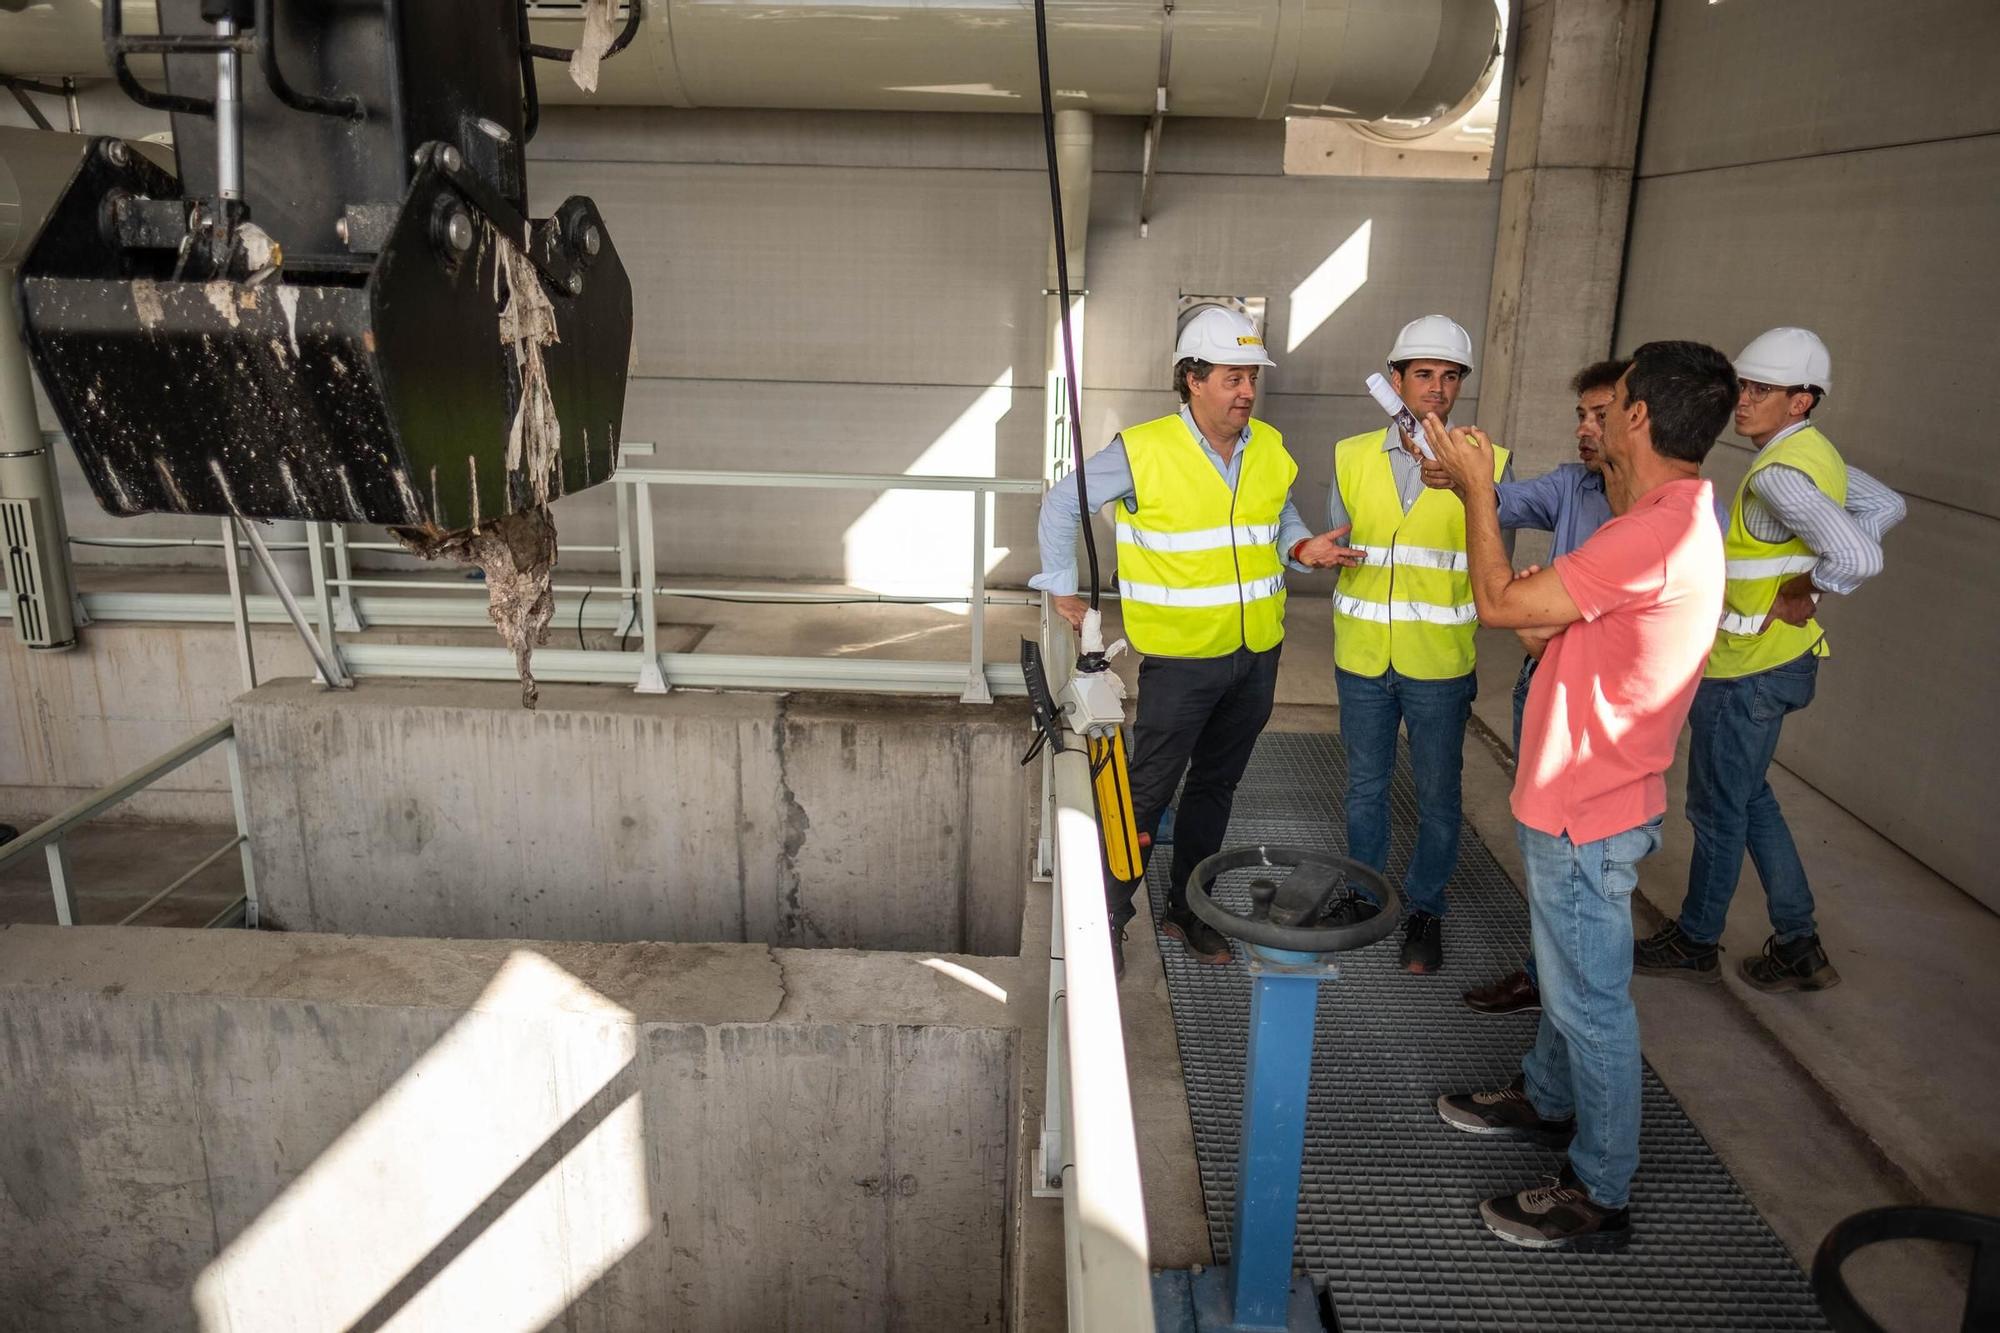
(105, 797)
(337, 608)
(1089, 1141)
(49, 835)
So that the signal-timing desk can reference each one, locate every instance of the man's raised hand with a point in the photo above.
(1464, 452)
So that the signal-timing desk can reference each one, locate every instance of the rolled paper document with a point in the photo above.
(1400, 413)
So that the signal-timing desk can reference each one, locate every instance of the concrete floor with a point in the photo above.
(1821, 1104)
(116, 867)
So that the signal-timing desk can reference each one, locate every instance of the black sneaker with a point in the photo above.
(1668, 952)
(1557, 1216)
(1205, 942)
(1423, 943)
(1506, 1114)
(1799, 965)
(1118, 953)
(1514, 993)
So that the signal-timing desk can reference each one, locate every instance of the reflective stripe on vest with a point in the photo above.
(1198, 565)
(1777, 566)
(1754, 568)
(1388, 612)
(1208, 539)
(1409, 604)
(1224, 594)
(1735, 624)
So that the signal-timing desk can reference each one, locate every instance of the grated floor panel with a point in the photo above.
(1388, 1211)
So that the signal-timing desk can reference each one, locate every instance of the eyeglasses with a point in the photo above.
(1757, 392)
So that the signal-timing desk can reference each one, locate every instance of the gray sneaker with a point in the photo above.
(1504, 1114)
(1558, 1216)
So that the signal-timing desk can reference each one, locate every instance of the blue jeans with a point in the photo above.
(1735, 726)
(1434, 712)
(1585, 1060)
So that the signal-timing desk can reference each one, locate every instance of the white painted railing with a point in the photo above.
(50, 836)
(1088, 1149)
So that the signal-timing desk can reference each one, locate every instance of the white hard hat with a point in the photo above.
(1221, 337)
(1433, 338)
(1787, 356)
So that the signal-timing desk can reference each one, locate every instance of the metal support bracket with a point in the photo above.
(327, 656)
(1149, 167)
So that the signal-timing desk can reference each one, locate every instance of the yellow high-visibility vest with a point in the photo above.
(1198, 568)
(1410, 605)
(1755, 568)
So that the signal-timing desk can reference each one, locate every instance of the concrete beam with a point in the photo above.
(443, 809)
(1579, 71)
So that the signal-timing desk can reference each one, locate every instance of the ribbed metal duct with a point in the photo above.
(1409, 62)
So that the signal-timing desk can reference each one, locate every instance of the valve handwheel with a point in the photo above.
(1305, 911)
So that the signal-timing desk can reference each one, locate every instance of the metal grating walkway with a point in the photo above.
(1388, 1219)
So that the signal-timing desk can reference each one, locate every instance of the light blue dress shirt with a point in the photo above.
(1107, 476)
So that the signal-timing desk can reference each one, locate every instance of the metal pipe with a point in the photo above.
(1075, 143)
(241, 809)
(976, 689)
(466, 586)
(327, 658)
(1407, 63)
(228, 121)
(199, 866)
(52, 829)
(246, 655)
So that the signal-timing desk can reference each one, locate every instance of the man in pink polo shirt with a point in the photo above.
(1631, 616)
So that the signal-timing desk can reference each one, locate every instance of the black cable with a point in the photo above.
(579, 617)
(1062, 289)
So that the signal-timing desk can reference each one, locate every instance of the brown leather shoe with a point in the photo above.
(1512, 994)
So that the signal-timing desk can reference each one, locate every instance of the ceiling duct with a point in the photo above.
(1404, 64)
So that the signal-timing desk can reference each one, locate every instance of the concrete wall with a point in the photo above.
(243, 1132)
(444, 809)
(1832, 164)
(76, 721)
(863, 292)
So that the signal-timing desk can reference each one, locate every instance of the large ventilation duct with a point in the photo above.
(1407, 63)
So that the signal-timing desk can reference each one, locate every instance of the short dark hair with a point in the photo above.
(1689, 390)
(1190, 365)
(1600, 375)
(1403, 367)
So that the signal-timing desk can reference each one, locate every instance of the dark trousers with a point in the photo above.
(1200, 716)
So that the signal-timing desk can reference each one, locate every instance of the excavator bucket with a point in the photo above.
(370, 329)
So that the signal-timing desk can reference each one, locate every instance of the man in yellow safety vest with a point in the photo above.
(1803, 522)
(1203, 503)
(1403, 626)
